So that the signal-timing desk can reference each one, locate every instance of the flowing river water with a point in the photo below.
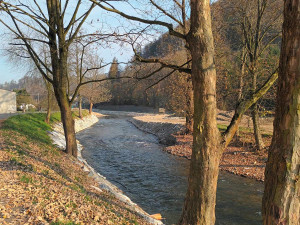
(157, 181)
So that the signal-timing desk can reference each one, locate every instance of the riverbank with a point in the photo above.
(40, 184)
(239, 158)
(58, 139)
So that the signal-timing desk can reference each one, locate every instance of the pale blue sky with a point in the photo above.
(7, 73)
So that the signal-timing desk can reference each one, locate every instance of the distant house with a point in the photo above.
(8, 101)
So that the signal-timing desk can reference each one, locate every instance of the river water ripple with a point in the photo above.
(157, 181)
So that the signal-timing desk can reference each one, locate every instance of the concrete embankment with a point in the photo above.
(163, 131)
(59, 139)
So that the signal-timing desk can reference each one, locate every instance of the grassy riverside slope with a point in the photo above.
(40, 184)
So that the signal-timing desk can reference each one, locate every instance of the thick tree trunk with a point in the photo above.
(91, 108)
(59, 60)
(189, 113)
(199, 206)
(189, 106)
(281, 200)
(68, 124)
(257, 134)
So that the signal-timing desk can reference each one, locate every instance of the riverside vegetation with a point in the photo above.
(42, 185)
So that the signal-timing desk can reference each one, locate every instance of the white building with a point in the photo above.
(8, 101)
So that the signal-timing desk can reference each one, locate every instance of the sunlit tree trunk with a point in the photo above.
(255, 116)
(49, 93)
(91, 108)
(281, 200)
(241, 81)
(199, 206)
(59, 58)
(80, 106)
(189, 105)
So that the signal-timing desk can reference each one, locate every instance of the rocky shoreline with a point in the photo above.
(80, 124)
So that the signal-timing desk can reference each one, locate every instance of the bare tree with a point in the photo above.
(96, 92)
(281, 201)
(259, 24)
(208, 144)
(58, 24)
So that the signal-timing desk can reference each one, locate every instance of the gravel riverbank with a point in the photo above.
(239, 158)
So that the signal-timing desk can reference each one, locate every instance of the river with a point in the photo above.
(157, 181)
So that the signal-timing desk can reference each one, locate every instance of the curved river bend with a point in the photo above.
(157, 181)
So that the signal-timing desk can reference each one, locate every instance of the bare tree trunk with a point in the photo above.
(257, 134)
(241, 82)
(189, 113)
(241, 77)
(59, 61)
(91, 108)
(189, 106)
(80, 106)
(281, 200)
(255, 116)
(68, 123)
(48, 116)
(199, 206)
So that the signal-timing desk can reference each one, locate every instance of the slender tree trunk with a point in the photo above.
(91, 108)
(199, 206)
(241, 83)
(257, 133)
(281, 200)
(255, 116)
(242, 74)
(49, 94)
(48, 116)
(80, 106)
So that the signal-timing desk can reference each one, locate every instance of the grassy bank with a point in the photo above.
(39, 184)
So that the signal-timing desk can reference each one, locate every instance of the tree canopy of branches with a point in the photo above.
(208, 143)
(54, 25)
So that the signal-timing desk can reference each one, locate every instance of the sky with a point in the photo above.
(7, 72)
(10, 71)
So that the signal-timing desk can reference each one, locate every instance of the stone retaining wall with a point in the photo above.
(163, 131)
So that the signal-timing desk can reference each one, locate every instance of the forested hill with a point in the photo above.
(240, 58)
(163, 46)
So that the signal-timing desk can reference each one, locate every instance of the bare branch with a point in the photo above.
(152, 22)
(72, 20)
(86, 14)
(166, 13)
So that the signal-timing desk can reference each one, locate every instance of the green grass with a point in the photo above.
(222, 128)
(55, 117)
(33, 126)
(26, 179)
